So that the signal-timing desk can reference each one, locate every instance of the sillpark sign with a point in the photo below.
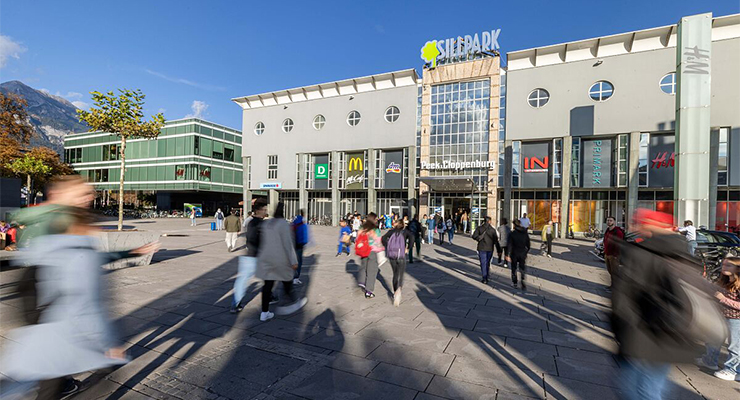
(445, 49)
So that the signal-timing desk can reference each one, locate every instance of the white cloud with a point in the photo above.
(199, 109)
(161, 110)
(81, 105)
(9, 49)
(185, 81)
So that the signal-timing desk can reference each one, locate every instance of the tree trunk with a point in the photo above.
(120, 187)
(28, 186)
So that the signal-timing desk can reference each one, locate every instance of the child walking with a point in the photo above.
(344, 238)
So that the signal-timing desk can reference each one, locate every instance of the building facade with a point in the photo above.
(334, 148)
(191, 161)
(591, 128)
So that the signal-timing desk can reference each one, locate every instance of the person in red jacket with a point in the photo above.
(612, 239)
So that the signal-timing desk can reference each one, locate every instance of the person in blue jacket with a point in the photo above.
(431, 224)
(300, 232)
(345, 233)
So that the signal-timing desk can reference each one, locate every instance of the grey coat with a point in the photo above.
(503, 234)
(276, 253)
(74, 331)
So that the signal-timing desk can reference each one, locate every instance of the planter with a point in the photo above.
(127, 240)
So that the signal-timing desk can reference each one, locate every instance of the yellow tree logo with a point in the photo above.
(429, 53)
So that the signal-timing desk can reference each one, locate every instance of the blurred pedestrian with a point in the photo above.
(366, 248)
(232, 230)
(414, 228)
(277, 262)
(440, 228)
(547, 234)
(192, 216)
(729, 296)
(300, 236)
(450, 225)
(519, 245)
(690, 232)
(345, 238)
(431, 225)
(612, 241)
(248, 263)
(487, 239)
(464, 219)
(219, 219)
(524, 222)
(503, 231)
(397, 242)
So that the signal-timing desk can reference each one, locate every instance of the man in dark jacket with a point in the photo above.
(414, 229)
(643, 305)
(612, 240)
(300, 230)
(248, 264)
(518, 245)
(487, 239)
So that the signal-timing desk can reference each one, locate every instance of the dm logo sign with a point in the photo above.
(321, 171)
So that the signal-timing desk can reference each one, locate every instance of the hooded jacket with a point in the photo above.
(518, 242)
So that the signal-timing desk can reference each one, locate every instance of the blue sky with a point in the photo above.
(192, 57)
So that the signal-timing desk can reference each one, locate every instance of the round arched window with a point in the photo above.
(601, 91)
(287, 125)
(353, 118)
(392, 114)
(259, 128)
(538, 98)
(668, 83)
(318, 122)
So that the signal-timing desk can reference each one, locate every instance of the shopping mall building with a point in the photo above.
(191, 161)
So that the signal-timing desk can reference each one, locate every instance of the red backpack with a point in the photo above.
(362, 245)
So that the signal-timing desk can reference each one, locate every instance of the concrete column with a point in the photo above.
(713, 166)
(413, 201)
(565, 185)
(372, 195)
(633, 177)
(302, 191)
(335, 188)
(246, 190)
(272, 197)
(508, 154)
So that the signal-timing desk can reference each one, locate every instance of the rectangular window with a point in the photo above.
(196, 145)
(515, 162)
(228, 153)
(642, 165)
(557, 157)
(342, 169)
(104, 175)
(379, 175)
(722, 160)
(622, 163)
(180, 173)
(106, 152)
(575, 166)
(298, 170)
(218, 150)
(204, 174)
(272, 167)
(218, 155)
(249, 172)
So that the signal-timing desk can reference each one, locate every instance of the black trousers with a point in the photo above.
(441, 237)
(267, 293)
(549, 244)
(517, 262)
(399, 269)
(502, 250)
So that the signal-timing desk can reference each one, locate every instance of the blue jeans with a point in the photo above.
(733, 361)
(692, 247)
(247, 266)
(430, 235)
(450, 235)
(299, 256)
(219, 224)
(342, 247)
(485, 262)
(643, 380)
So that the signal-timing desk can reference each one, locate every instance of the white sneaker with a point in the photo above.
(266, 315)
(701, 363)
(290, 309)
(297, 281)
(397, 298)
(727, 375)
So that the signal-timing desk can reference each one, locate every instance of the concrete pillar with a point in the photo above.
(246, 190)
(413, 201)
(565, 185)
(508, 154)
(372, 196)
(713, 166)
(633, 176)
(272, 197)
(302, 191)
(335, 188)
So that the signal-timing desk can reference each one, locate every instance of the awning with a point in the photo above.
(449, 183)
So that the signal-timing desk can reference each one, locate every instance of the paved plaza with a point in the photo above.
(453, 337)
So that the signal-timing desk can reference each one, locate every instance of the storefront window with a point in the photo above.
(622, 152)
(205, 174)
(575, 166)
(557, 152)
(722, 161)
(180, 174)
(642, 167)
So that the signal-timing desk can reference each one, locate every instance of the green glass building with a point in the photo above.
(192, 161)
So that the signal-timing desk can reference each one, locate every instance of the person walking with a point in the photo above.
(547, 232)
(277, 261)
(345, 238)
(431, 225)
(690, 232)
(503, 231)
(367, 247)
(464, 219)
(219, 220)
(248, 263)
(356, 225)
(414, 228)
(728, 295)
(524, 221)
(192, 216)
(612, 241)
(397, 242)
(519, 245)
(232, 230)
(450, 229)
(441, 227)
(246, 221)
(300, 235)
(487, 239)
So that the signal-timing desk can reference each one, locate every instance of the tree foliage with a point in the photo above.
(15, 130)
(29, 165)
(121, 115)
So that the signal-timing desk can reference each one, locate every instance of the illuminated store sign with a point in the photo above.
(445, 49)
(457, 165)
(355, 171)
(534, 164)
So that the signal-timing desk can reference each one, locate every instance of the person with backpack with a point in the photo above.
(440, 228)
(431, 226)
(503, 231)
(729, 296)
(656, 300)
(395, 242)
(519, 245)
(219, 220)
(300, 235)
(366, 248)
(487, 239)
(414, 228)
(345, 238)
(232, 230)
(450, 228)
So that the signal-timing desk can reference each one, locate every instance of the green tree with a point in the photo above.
(32, 167)
(121, 115)
(15, 130)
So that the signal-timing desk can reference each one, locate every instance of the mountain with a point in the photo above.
(52, 116)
